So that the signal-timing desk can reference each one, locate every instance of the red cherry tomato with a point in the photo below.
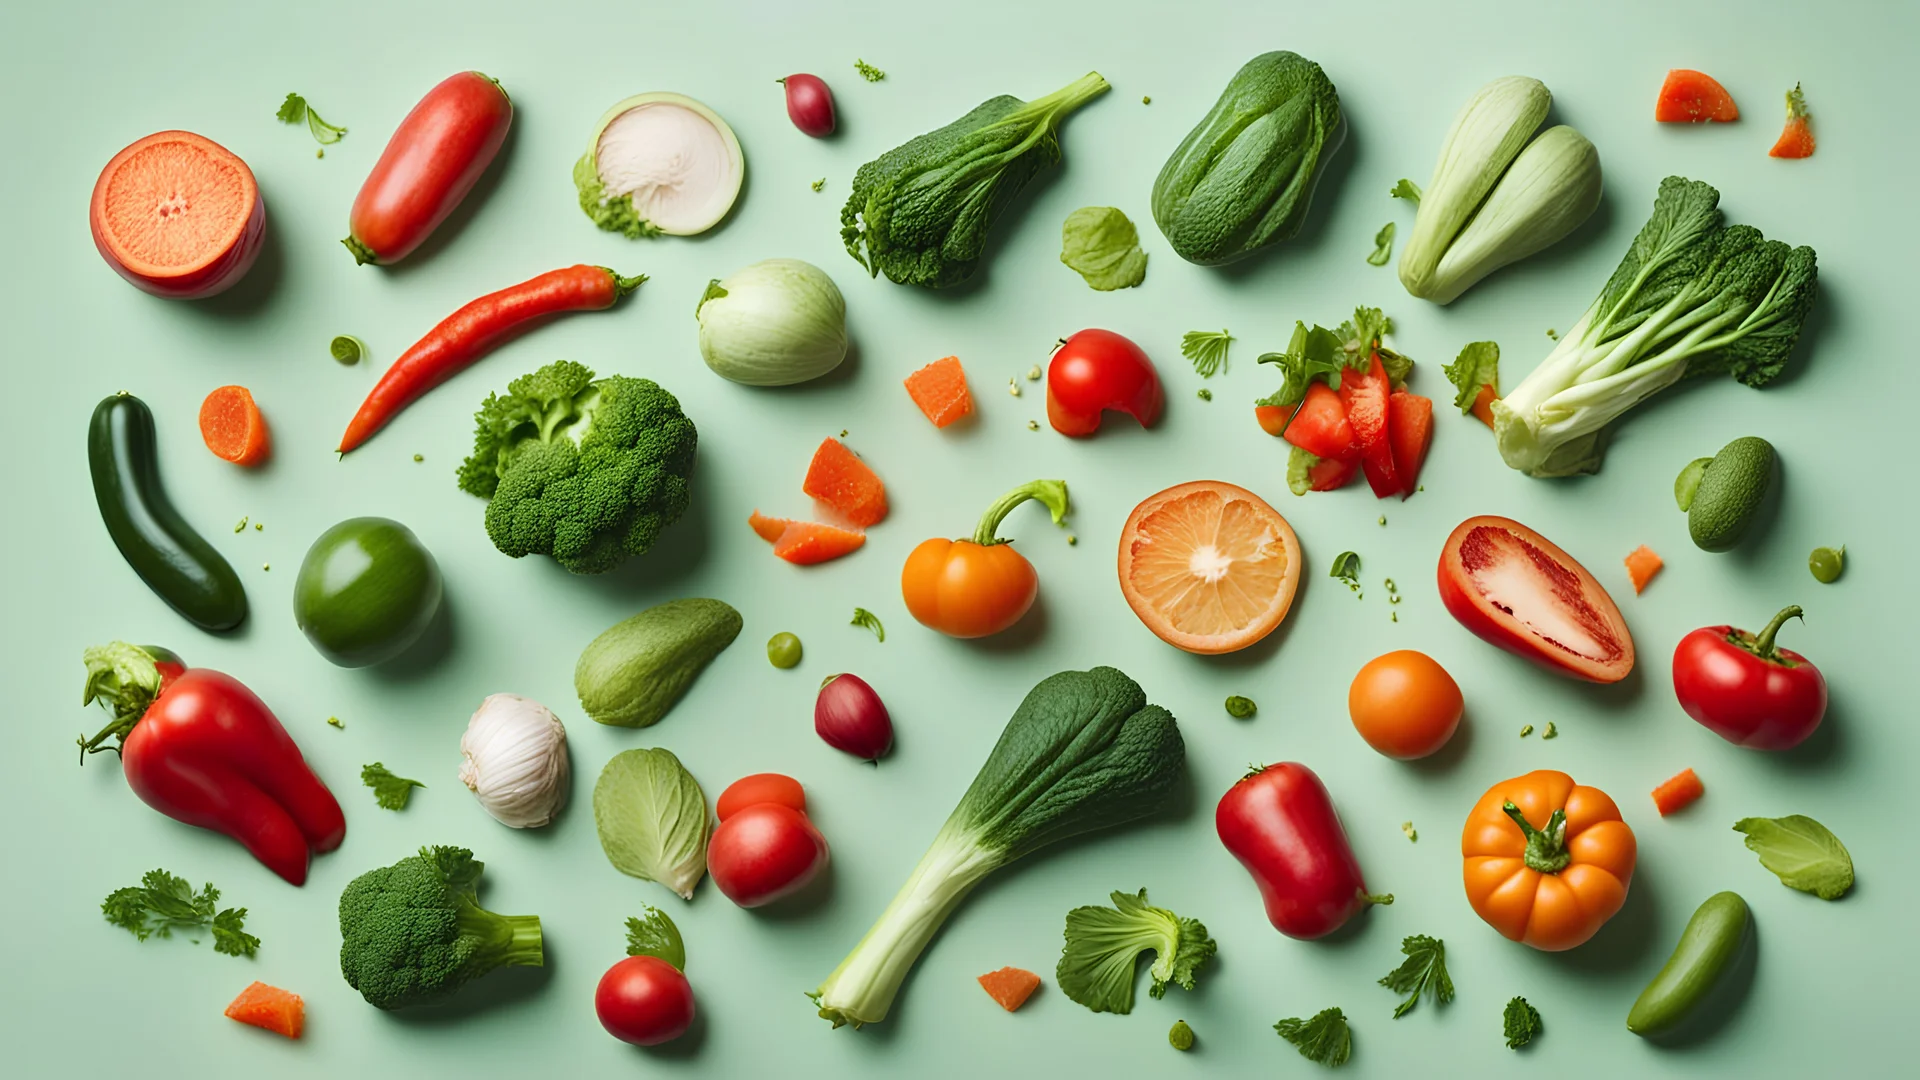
(1098, 370)
(764, 852)
(1748, 690)
(765, 787)
(1516, 589)
(644, 1000)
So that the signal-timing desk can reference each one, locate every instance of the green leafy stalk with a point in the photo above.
(1326, 1039)
(163, 903)
(390, 791)
(1104, 946)
(1406, 189)
(1423, 972)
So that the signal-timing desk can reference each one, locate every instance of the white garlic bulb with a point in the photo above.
(514, 759)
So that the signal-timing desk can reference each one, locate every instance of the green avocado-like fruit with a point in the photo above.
(366, 591)
(635, 670)
(1730, 493)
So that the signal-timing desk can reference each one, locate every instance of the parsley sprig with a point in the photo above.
(163, 903)
(390, 791)
(1325, 1039)
(1423, 972)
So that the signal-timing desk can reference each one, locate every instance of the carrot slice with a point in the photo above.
(809, 542)
(769, 528)
(1641, 566)
(232, 426)
(940, 389)
(840, 479)
(1796, 139)
(277, 1010)
(1483, 404)
(1410, 434)
(1678, 793)
(1010, 986)
(1693, 97)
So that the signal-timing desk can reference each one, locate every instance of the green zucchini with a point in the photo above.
(176, 563)
(1729, 494)
(632, 674)
(1243, 178)
(1707, 949)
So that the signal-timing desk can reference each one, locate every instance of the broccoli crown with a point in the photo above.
(413, 932)
(585, 470)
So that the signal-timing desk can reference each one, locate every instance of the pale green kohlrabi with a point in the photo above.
(775, 323)
(1498, 194)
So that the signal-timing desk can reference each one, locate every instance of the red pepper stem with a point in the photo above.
(624, 285)
(1763, 645)
(1049, 493)
(1546, 848)
(124, 678)
(1383, 899)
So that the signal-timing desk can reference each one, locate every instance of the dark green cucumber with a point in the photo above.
(1707, 948)
(175, 562)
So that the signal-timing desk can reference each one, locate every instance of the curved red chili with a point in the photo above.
(434, 158)
(1279, 822)
(477, 329)
(1748, 690)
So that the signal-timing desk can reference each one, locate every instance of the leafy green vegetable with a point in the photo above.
(868, 71)
(1325, 1039)
(1104, 945)
(1801, 852)
(1323, 354)
(1346, 567)
(920, 213)
(1103, 247)
(653, 934)
(1693, 297)
(163, 903)
(1406, 189)
(587, 471)
(414, 932)
(1084, 751)
(1477, 365)
(390, 791)
(1207, 350)
(1240, 708)
(1382, 246)
(295, 109)
(1522, 1023)
(652, 818)
(1423, 972)
(868, 620)
(1180, 1036)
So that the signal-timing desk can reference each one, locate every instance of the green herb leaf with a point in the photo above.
(1104, 944)
(819, 184)
(390, 791)
(1207, 350)
(1311, 354)
(1522, 1023)
(863, 617)
(1477, 365)
(1406, 189)
(1382, 246)
(1325, 1039)
(653, 934)
(293, 110)
(868, 71)
(230, 936)
(1240, 708)
(714, 292)
(163, 903)
(1801, 852)
(1102, 246)
(652, 819)
(1346, 567)
(1423, 972)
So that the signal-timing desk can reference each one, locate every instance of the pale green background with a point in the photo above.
(1832, 985)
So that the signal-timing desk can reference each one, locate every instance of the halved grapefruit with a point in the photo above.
(1208, 566)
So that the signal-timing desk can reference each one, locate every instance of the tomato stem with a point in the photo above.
(1049, 493)
(1762, 646)
(125, 678)
(1546, 848)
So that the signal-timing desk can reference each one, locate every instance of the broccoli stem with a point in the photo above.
(508, 940)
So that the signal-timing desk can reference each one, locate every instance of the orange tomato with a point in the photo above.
(1547, 862)
(1404, 704)
(766, 787)
(1208, 566)
(972, 588)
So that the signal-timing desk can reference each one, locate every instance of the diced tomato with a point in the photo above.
(1320, 425)
(940, 389)
(840, 479)
(1678, 793)
(809, 542)
(1693, 97)
(1410, 432)
(1365, 396)
(1329, 474)
(1010, 986)
(277, 1010)
(1483, 405)
(1273, 418)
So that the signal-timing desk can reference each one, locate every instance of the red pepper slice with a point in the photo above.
(1097, 370)
(1410, 434)
(1365, 396)
(199, 747)
(1746, 689)
(1279, 822)
(1321, 427)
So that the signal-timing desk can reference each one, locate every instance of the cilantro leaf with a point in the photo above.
(228, 935)
(1382, 246)
(1522, 1023)
(1423, 972)
(1801, 852)
(653, 934)
(1207, 350)
(1104, 945)
(863, 617)
(295, 109)
(390, 791)
(164, 902)
(1406, 189)
(1478, 365)
(1325, 1039)
(1311, 354)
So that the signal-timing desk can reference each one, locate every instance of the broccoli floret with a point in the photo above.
(414, 932)
(585, 470)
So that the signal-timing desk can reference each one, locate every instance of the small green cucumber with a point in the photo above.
(1729, 495)
(632, 674)
(1706, 951)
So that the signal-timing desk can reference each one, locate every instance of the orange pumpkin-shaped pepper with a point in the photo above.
(1547, 862)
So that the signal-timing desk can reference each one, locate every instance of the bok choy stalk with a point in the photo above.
(1692, 297)
(1084, 751)
(1496, 197)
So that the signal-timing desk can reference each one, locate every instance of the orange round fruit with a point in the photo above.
(1209, 566)
(1405, 704)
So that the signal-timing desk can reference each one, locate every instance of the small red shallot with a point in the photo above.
(849, 716)
(809, 104)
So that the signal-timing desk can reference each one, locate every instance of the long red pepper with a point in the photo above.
(1279, 822)
(199, 747)
(477, 329)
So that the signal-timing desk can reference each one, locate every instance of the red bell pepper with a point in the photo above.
(1410, 435)
(1279, 822)
(1097, 370)
(1748, 690)
(199, 747)
(1365, 396)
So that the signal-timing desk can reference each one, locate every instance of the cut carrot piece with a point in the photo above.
(1796, 139)
(840, 479)
(809, 542)
(232, 426)
(1641, 566)
(1678, 793)
(1693, 97)
(178, 215)
(277, 1010)
(940, 389)
(1010, 986)
(769, 528)
(1410, 433)
(1483, 404)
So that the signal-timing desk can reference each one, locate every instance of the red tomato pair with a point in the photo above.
(765, 848)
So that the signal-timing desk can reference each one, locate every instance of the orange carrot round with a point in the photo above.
(233, 428)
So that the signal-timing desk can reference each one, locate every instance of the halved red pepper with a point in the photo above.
(199, 747)
(1280, 823)
(1097, 370)
(1365, 396)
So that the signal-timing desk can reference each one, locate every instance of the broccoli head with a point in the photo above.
(585, 470)
(413, 932)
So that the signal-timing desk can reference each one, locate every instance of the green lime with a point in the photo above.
(366, 591)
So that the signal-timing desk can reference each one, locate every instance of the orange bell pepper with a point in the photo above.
(1547, 862)
(971, 588)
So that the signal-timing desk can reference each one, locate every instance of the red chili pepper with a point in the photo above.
(434, 158)
(477, 329)
(199, 747)
(1279, 822)
(1096, 370)
(1746, 689)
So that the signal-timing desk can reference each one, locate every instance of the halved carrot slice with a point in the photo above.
(769, 528)
(270, 1007)
(840, 479)
(1693, 97)
(1209, 566)
(1641, 566)
(1010, 986)
(1678, 793)
(809, 542)
(1483, 404)
(232, 426)
(940, 389)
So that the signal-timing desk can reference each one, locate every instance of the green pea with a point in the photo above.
(1180, 1036)
(783, 650)
(1240, 707)
(1826, 563)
